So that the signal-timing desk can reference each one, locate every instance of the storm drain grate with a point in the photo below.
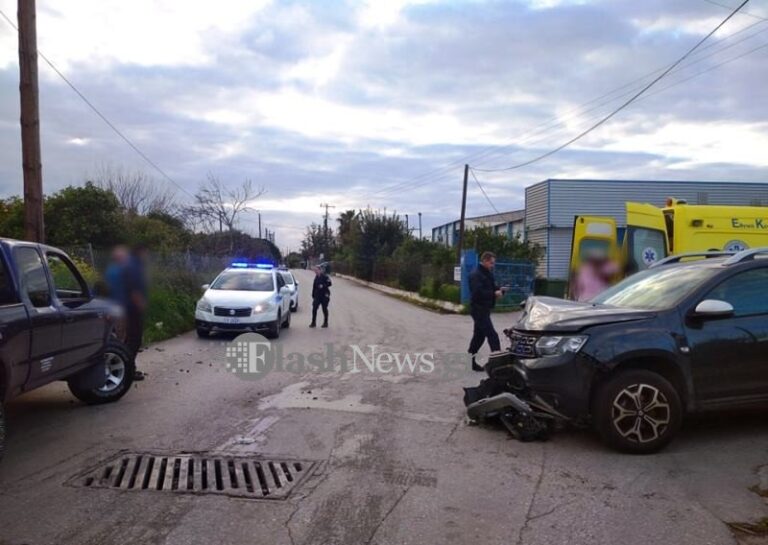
(197, 474)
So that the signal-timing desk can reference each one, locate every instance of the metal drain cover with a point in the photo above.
(197, 474)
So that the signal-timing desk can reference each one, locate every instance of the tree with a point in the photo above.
(137, 192)
(12, 217)
(217, 207)
(483, 239)
(82, 215)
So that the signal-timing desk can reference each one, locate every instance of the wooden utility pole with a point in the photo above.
(34, 229)
(420, 235)
(325, 228)
(463, 213)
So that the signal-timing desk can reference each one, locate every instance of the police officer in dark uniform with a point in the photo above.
(483, 294)
(321, 295)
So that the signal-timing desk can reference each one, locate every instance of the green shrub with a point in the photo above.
(450, 293)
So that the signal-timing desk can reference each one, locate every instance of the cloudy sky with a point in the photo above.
(380, 103)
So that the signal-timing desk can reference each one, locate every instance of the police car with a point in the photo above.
(245, 297)
(293, 286)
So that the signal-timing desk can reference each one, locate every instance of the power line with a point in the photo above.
(101, 115)
(626, 103)
(471, 170)
(442, 172)
(726, 6)
(647, 96)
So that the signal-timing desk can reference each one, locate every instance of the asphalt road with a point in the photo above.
(395, 461)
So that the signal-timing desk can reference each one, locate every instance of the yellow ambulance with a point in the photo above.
(653, 233)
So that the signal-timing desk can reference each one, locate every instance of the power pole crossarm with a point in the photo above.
(34, 229)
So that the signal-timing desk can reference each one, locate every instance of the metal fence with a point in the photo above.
(517, 275)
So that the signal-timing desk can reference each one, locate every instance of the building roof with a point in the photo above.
(491, 219)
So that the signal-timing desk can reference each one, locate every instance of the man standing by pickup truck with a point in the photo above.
(483, 294)
(126, 285)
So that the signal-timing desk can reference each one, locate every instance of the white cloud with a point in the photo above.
(692, 144)
(141, 32)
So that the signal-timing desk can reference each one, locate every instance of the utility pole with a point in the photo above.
(407, 226)
(463, 213)
(34, 228)
(325, 227)
(420, 235)
(259, 213)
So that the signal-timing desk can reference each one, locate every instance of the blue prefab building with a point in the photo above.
(551, 205)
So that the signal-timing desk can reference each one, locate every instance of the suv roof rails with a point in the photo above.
(679, 257)
(746, 255)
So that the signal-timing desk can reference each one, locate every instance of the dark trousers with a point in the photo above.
(134, 331)
(483, 330)
(320, 303)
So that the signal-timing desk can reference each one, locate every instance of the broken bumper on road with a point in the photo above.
(505, 396)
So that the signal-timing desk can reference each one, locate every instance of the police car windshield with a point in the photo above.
(655, 289)
(244, 281)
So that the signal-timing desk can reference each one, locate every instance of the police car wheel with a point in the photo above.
(287, 322)
(274, 331)
(203, 333)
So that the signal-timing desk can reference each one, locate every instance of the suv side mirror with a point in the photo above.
(713, 308)
(205, 286)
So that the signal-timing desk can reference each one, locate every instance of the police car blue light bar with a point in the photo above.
(247, 265)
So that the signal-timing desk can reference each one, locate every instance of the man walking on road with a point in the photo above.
(321, 295)
(483, 294)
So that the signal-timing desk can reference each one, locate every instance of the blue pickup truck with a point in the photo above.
(53, 328)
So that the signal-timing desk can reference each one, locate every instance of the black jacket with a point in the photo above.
(321, 287)
(482, 289)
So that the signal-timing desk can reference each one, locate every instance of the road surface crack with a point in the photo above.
(528, 516)
(386, 516)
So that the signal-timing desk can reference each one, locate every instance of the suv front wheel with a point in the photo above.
(637, 411)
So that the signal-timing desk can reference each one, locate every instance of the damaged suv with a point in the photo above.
(682, 337)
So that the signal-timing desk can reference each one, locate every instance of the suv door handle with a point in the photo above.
(69, 318)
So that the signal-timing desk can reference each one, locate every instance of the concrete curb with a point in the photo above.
(408, 295)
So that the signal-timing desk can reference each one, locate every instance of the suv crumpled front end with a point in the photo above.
(554, 353)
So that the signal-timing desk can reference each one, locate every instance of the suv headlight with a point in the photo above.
(263, 307)
(557, 346)
(204, 306)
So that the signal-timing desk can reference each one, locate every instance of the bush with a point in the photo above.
(450, 293)
(169, 313)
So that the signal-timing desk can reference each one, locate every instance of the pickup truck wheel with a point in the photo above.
(2, 432)
(119, 368)
(638, 411)
(203, 333)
